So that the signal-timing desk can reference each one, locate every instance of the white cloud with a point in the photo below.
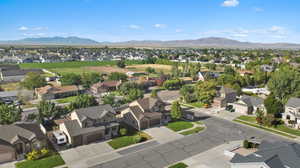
(34, 34)
(40, 28)
(160, 26)
(23, 28)
(230, 3)
(277, 29)
(133, 26)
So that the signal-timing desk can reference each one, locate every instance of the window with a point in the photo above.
(288, 117)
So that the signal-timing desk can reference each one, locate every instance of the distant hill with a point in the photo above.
(53, 41)
(202, 42)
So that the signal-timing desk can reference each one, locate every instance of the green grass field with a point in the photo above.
(179, 125)
(48, 162)
(192, 131)
(127, 140)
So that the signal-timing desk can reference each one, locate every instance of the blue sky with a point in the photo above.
(122, 20)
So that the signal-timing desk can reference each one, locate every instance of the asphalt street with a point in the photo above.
(218, 132)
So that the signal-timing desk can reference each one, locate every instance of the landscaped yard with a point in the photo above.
(179, 125)
(178, 165)
(264, 128)
(197, 104)
(280, 127)
(127, 140)
(48, 162)
(192, 131)
(66, 100)
(11, 86)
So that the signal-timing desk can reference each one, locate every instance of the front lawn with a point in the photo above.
(192, 131)
(247, 118)
(127, 140)
(280, 127)
(264, 128)
(48, 162)
(179, 125)
(178, 165)
(66, 100)
(197, 104)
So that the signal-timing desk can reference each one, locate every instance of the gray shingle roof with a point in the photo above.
(94, 112)
(252, 100)
(293, 102)
(74, 128)
(20, 72)
(10, 133)
(274, 154)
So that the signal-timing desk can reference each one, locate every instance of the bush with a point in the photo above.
(123, 131)
(246, 144)
(38, 154)
(137, 139)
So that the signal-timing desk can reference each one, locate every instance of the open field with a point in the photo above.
(157, 67)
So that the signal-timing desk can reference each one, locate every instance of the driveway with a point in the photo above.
(163, 134)
(213, 158)
(81, 156)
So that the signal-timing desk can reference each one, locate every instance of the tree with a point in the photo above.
(47, 110)
(259, 116)
(134, 94)
(154, 93)
(126, 86)
(206, 91)
(229, 70)
(121, 64)
(150, 70)
(188, 93)
(273, 106)
(109, 99)
(117, 76)
(88, 79)
(70, 79)
(33, 80)
(284, 83)
(172, 84)
(176, 111)
(9, 114)
(83, 101)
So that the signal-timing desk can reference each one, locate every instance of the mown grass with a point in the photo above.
(127, 140)
(48, 162)
(264, 128)
(179, 125)
(66, 100)
(178, 165)
(247, 118)
(192, 131)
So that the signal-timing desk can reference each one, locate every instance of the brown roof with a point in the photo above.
(137, 112)
(107, 84)
(57, 89)
(148, 103)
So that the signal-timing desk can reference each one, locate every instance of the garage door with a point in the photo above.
(5, 157)
(154, 122)
(93, 138)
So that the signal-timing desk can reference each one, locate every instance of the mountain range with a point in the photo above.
(202, 42)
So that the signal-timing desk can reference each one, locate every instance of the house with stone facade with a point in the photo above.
(248, 105)
(87, 125)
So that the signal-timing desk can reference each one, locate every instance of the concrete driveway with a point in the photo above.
(82, 156)
(163, 134)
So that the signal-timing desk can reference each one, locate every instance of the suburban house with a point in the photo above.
(226, 95)
(145, 113)
(203, 76)
(104, 87)
(19, 139)
(248, 105)
(267, 68)
(55, 92)
(270, 155)
(291, 115)
(16, 75)
(87, 125)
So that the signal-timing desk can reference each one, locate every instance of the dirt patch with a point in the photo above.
(142, 67)
(106, 69)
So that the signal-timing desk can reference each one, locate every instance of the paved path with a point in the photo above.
(163, 134)
(218, 132)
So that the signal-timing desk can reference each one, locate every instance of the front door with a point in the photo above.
(19, 148)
